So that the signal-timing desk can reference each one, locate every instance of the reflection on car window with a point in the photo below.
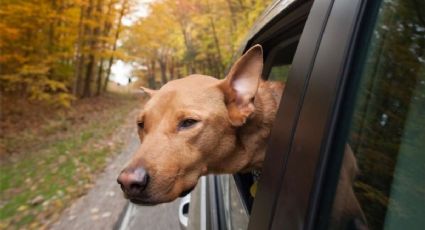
(387, 133)
(236, 216)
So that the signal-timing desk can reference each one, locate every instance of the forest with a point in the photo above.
(58, 51)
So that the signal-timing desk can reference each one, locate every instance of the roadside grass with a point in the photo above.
(43, 179)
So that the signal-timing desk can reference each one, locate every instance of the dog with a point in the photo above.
(199, 125)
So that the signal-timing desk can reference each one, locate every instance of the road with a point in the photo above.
(104, 207)
(160, 217)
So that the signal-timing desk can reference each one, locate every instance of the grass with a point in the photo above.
(43, 179)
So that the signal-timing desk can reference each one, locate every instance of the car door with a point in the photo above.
(365, 91)
(320, 46)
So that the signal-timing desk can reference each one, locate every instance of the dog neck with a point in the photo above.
(252, 138)
(254, 135)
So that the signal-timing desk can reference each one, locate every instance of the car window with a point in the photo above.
(279, 60)
(276, 68)
(387, 129)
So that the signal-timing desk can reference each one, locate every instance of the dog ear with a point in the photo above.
(241, 84)
(147, 91)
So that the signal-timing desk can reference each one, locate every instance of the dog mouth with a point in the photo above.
(185, 192)
(142, 202)
(150, 202)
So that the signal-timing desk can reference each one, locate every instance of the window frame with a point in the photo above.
(264, 208)
(344, 114)
(285, 27)
(294, 170)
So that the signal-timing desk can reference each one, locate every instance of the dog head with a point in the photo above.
(188, 129)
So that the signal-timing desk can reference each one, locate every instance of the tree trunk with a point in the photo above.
(171, 69)
(79, 57)
(114, 47)
(216, 42)
(234, 23)
(52, 24)
(90, 70)
(106, 29)
(88, 78)
(182, 19)
(163, 69)
(99, 78)
(151, 74)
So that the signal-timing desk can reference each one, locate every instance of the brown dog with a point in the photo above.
(199, 125)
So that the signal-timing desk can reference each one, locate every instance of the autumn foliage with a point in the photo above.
(58, 50)
(181, 37)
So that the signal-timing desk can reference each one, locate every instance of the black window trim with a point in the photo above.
(268, 63)
(287, 116)
(285, 27)
(309, 150)
(326, 190)
(338, 103)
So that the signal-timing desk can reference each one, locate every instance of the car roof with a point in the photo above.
(271, 12)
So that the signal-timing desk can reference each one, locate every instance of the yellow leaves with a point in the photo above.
(7, 32)
(198, 35)
(22, 208)
(52, 92)
(46, 44)
(38, 85)
(34, 70)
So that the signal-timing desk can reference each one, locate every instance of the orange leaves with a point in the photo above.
(188, 36)
(45, 47)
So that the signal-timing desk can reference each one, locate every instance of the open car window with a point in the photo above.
(239, 194)
(279, 53)
(279, 60)
(280, 41)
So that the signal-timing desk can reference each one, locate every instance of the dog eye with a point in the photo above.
(140, 124)
(187, 123)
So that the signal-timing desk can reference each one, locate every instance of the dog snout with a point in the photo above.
(133, 181)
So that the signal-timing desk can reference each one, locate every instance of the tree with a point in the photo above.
(188, 36)
(54, 50)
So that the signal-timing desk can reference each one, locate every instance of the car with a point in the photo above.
(355, 75)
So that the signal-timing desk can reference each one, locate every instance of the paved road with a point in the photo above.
(160, 217)
(103, 207)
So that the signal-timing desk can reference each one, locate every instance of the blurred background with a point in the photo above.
(69, 72)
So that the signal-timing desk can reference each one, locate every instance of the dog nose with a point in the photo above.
(133, 181)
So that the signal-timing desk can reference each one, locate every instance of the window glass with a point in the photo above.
(236, 215)
(387, 134)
